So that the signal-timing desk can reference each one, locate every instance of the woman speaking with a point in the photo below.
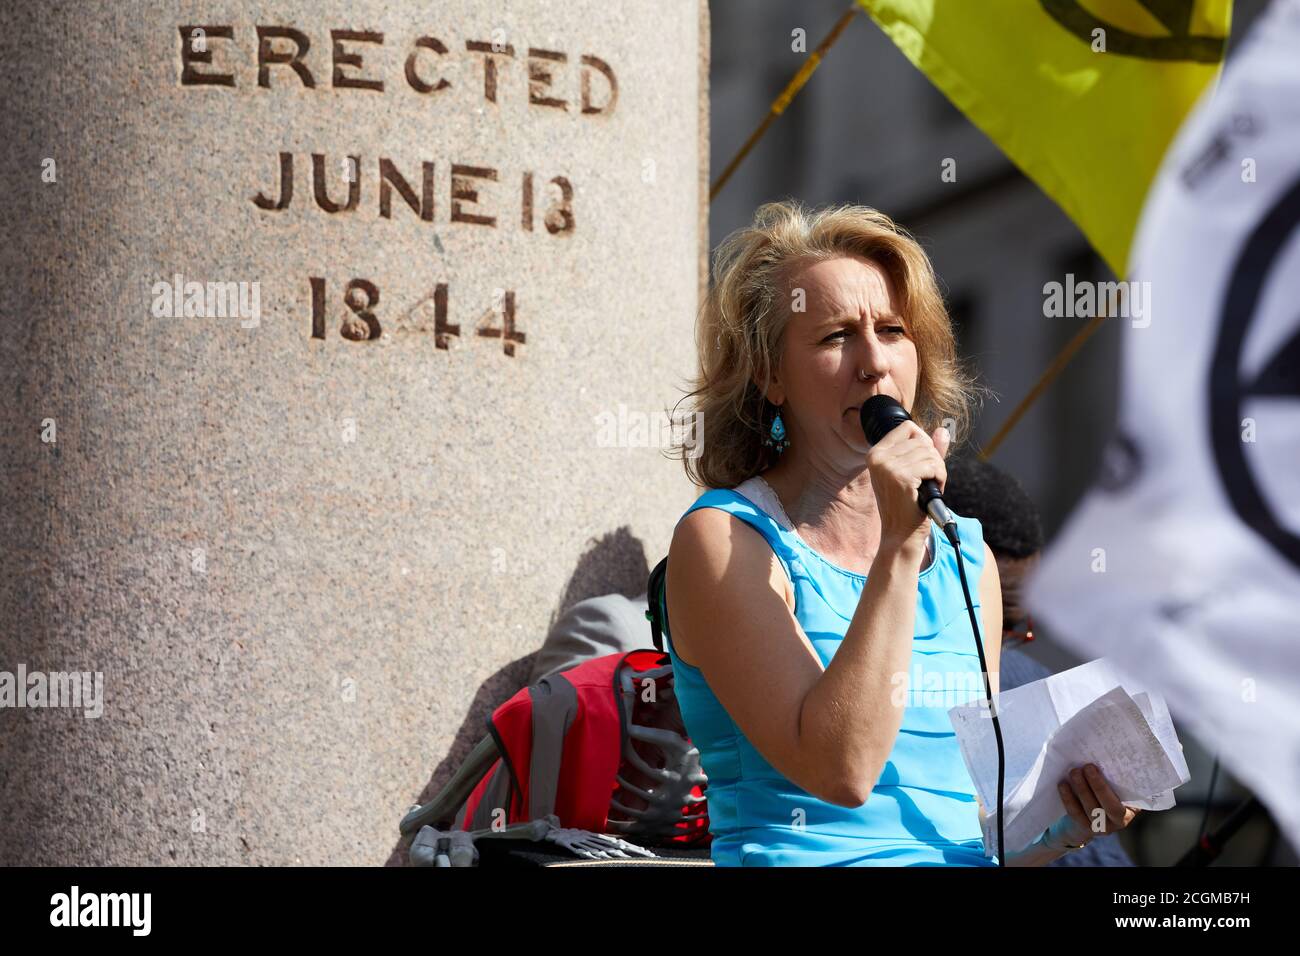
(812, 607)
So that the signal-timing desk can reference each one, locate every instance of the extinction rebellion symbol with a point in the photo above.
(1279, 379)
(1179, 43)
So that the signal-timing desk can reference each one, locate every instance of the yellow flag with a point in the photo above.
(1083, 95)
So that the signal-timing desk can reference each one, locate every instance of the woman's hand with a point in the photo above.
(1087, 797)
(898, 463)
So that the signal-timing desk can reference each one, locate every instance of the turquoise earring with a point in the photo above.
(777, 439)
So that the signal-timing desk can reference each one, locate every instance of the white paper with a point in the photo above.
(1089, 714)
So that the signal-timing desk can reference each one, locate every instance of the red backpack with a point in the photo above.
(600, 745)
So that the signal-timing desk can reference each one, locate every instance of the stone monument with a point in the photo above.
(338, 339)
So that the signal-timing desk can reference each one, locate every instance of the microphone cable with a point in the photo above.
(950, 530)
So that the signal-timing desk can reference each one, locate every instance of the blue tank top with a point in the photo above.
(922, 810)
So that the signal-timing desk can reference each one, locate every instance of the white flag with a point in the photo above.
(1183, 562)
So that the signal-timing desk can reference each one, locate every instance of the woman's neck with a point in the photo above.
(836, 516)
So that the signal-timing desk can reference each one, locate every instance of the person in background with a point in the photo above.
(593, 627)
(1014, 533)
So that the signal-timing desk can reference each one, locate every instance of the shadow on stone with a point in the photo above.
(615, 563)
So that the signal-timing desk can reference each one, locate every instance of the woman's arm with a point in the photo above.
(990, 590)
(854, 710)
(729, 617)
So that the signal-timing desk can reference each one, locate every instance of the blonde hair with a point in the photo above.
(742, 323)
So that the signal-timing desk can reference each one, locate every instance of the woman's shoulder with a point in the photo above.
(715, 511)
(743, 502)
(711, 497)
(718, 510)
(707, 558)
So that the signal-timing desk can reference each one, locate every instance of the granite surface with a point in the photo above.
(310, 526)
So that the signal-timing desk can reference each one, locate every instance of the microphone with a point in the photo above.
(880, 414)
